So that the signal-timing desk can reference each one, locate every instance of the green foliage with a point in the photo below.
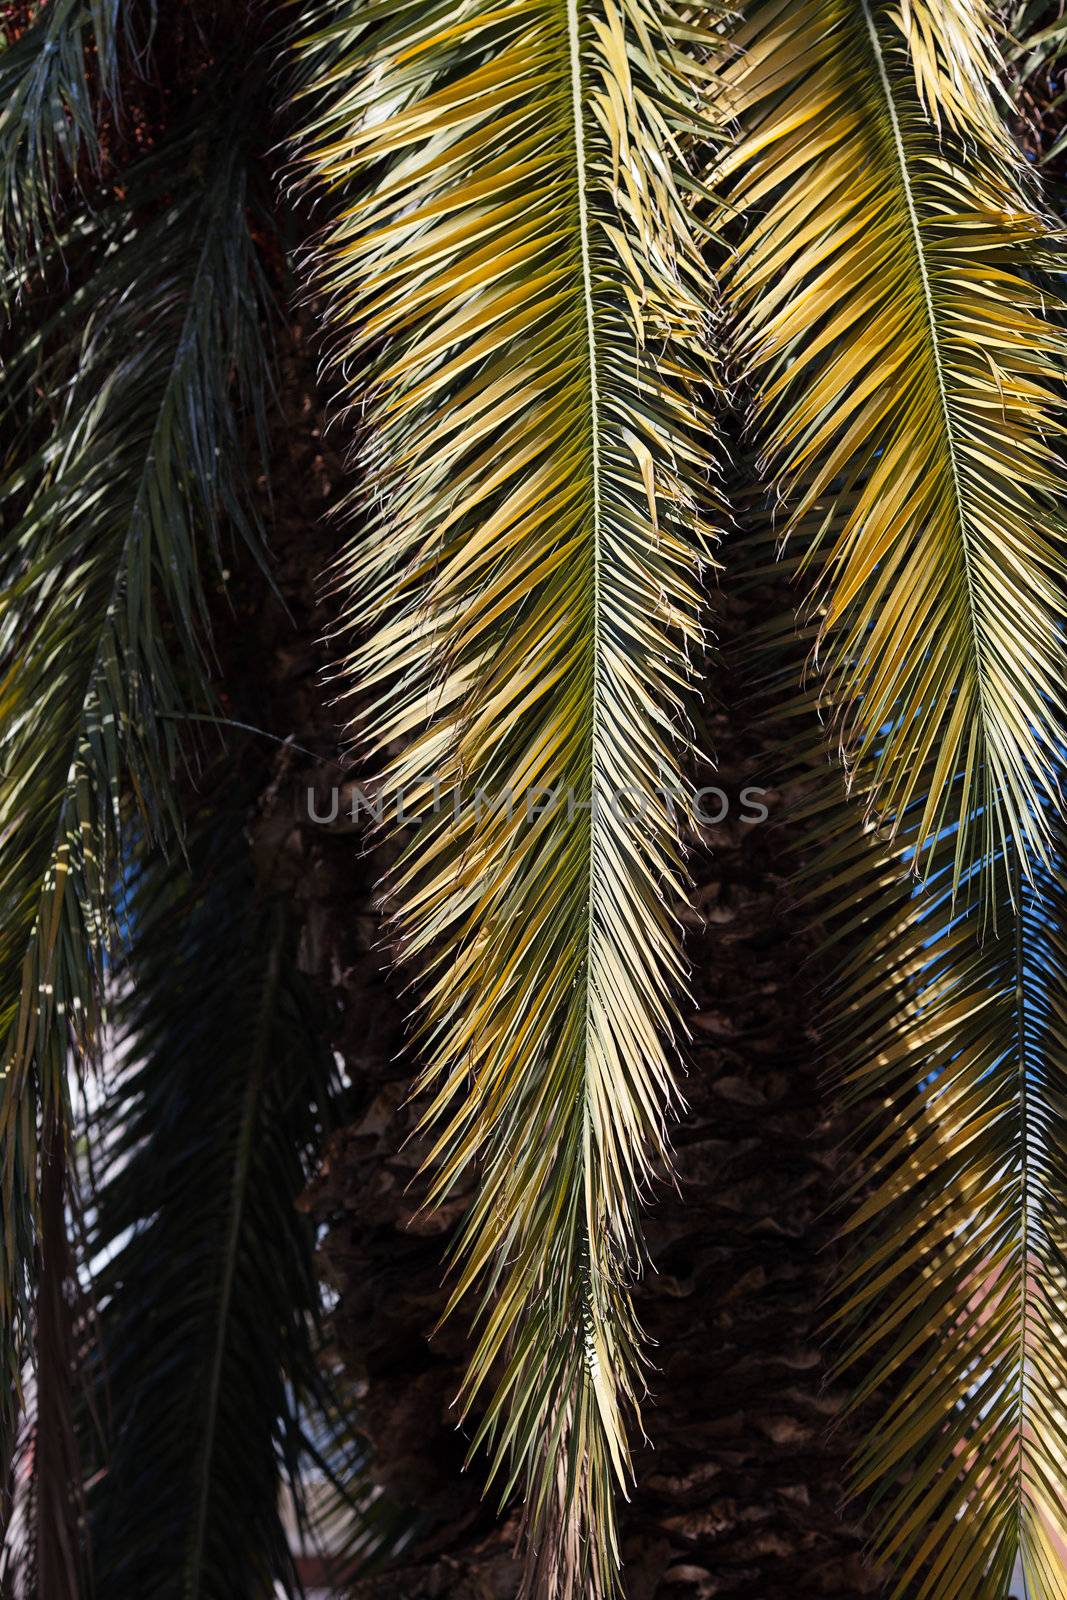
(129, 395)
(52, 94)
(532, 207)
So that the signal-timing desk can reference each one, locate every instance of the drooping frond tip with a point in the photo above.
(955, 1297)
(518, 302)
(906, 359)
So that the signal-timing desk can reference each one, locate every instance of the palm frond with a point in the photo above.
(55, 80)
(954, 50)
(519, 309)
(113, 498)
(944, 1034)
(905, 363)
(956, 1297)
(41, 1553)
(207, 1383)
(56, 1524)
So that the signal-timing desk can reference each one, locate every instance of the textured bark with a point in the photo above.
(740, 1484)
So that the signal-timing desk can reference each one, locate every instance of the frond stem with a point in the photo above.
(915, 228)
(1024, 1194)
(574, 55)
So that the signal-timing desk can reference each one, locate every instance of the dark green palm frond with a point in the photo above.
(1037, 48)
(520, 314)
(111, 529)
(207, 1384)
(905, 362)
(955, 1301)
(55, 79)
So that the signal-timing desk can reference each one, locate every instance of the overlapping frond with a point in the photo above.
(944, 1029)
(206, 1388)
(955, 1299)
(125, 460)
(519, 314)
(54, 80)
(905, 368)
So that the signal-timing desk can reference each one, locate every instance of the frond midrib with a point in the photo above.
(574, 63)
(1024, 1203)
(934, 347)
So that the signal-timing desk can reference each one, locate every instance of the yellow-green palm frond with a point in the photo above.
(955, 1299)
(954, 53)
(947, 1042)
(520, 314)
(905, 369)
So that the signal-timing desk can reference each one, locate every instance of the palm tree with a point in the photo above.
(609, 295)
